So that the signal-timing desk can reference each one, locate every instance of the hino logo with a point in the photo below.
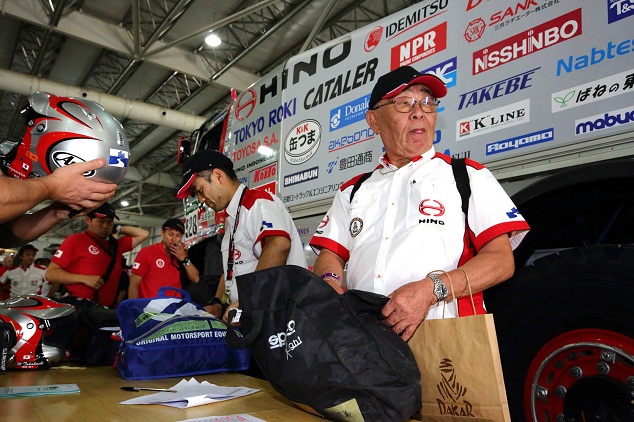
(62, 159)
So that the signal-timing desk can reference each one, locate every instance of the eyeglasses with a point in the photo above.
(406, 104)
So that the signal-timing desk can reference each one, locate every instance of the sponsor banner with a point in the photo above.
(498, 89)
(301, 176)
(600, 89)
(619, 9)
(302, 142)
(538, 38)
(493, 120)
(522, 141)
(597, 55)
(349, 113)
(528, 61)
(264, 173)
(420, 47)
(607, 120)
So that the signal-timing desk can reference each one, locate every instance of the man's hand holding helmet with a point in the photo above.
(66, 185)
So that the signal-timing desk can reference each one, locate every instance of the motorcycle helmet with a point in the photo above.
(41, 330)
(64, 130)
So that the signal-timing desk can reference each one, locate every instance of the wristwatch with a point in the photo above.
(440, 289)
(186, 261)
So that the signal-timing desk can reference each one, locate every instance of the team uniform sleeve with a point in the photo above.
(492, 212)
(140, 265)
(64, 254)
(332, 233)
(268, 219)
(125, 244)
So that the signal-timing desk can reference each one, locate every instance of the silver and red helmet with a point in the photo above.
(66, 130)
(41, 331)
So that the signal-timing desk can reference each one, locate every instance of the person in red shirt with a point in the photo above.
(83, 260)
(161, 264)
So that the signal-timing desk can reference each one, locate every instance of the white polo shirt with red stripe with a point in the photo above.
(404, 223)
(261, 215)
(25, 281)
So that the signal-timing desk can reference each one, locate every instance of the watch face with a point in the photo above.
(440, 290)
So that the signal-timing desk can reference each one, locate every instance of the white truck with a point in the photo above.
(542, 93)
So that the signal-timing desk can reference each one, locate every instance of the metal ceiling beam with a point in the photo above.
(121, 108)
(209, 28)
(116, 38)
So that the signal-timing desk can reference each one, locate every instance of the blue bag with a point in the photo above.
(170, 337)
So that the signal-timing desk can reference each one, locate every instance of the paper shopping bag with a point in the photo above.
(459, 361)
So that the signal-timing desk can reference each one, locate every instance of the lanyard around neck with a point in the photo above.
(230, 258)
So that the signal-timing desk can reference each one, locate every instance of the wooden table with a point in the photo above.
(100, 395)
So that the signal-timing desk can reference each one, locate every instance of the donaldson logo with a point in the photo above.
(302, 176)
(302, 142)
(349, 113)
(605, 121)
(534, 138)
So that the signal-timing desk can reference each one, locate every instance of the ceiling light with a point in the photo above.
(213, 40)
(124, 203)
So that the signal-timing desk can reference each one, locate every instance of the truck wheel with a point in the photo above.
(565, 329)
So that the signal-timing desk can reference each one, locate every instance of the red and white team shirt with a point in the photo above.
(261, 215)
(25, 281)
(84, 253)
(157, 269)
(404, 223)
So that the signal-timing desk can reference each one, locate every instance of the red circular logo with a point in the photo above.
(373, 39)
(474, 30)
(431, 207)
(245, 104)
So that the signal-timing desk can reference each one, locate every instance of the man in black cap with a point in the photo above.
(89, 263)
(160, 265)
(259, 231)
(405, 220)
(26, 278)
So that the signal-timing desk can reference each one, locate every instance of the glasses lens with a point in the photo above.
(406, 104)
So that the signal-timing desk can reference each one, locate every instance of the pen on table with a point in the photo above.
(166, 390)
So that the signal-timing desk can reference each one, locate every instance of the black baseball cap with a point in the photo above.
(174, 224)
(104, 211)
(203, 160)
(27, 247)
(393, 83)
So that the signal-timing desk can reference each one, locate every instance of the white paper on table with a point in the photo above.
(192, 393)
(242, 417)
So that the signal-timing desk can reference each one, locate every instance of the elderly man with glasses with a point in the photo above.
(401, 229)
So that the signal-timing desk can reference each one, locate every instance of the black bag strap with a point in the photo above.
(114, 247)
(459, 168)
(236, 340)
(357, 184)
